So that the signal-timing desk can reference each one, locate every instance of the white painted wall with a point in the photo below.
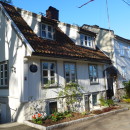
(121, 61)
(12, 49)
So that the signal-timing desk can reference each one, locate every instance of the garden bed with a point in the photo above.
(56, 119)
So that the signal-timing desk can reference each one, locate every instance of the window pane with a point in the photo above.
(72, 67)
(49, 35)
(6, 81)
(73, 73)
(43, 34)
(45, 73)
(1, 68)
(45, 80)
(73, 79)
(43, 27)
(5, 73)
(52, 73)
(85, 43)
(85, 37)
(5, 66)
(66, 67)
(67, 80)
(67, 73)
(45, 65)
(49, 28)
(1, 81)
(52, 80)
(52, 66)
(1, 74)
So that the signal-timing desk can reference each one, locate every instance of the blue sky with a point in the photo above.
(93, 14)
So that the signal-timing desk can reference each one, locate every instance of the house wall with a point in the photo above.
(122, 61)
(71, 31)
(32, 19)
(13, 51)
(36, 91)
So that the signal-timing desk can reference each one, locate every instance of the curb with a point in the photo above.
(73, 121)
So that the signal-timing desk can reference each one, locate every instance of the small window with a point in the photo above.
(52, 107)
(93, 76)
(128, 50)
(86, 40)
(122, 51)
(94, 99)
(49, 73)
(70, 72)
(47, 31)
(123, 71)
(3, 74)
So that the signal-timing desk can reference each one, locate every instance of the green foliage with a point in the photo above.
(127, 88)
(37, 118)
(126, 100)
(71, 92)
(84, 113)
(106, 102)
(56, 116)
(68, 115)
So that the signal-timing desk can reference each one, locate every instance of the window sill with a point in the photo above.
(4, 87)
(50, 87)
(94, 83)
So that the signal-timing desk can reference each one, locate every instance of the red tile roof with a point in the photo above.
(62, 46)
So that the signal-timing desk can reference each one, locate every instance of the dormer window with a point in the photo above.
(86, 40)
(47, 31)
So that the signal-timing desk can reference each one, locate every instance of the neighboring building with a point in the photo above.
(35, 52)
(118, 49)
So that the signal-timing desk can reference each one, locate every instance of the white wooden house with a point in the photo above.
(34, 50)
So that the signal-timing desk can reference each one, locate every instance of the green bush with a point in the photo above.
(56, 116)
(106, 102)
(68, 115)
(127, 88)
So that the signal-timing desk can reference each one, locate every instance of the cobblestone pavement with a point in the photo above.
(119, 121)
(15, 126)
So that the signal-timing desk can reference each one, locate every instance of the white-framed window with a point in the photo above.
(128, 51)
(47, 31)
(3, 75)
(123, 71)
(122, 50)
(49, 73)
(94, 99)
(70, 72)
(93, 75)
(86, 40)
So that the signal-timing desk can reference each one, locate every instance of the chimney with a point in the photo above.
(52, 13)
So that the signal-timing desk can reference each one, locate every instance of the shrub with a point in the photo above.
(68, 115)
(106, 102)
(71, 92)
(84, 113)
(56, 116)
(127, 88)
(126, 100)
(37, 118)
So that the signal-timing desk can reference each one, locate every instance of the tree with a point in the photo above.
(7, 1)
(72, 93)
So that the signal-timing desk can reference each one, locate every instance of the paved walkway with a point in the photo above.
(119, 121)
(15, 126)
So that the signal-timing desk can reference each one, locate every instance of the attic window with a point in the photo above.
(47, 31)
(86, 40)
